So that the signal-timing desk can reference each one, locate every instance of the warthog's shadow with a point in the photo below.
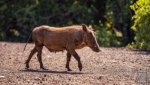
(53, 72)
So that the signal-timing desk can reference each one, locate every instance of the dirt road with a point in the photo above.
(112, 66)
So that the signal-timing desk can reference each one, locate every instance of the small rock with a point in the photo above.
(2, 76)
(44, 75)
(100, 77)
(28, 80)
(104, 68)
(37, 78)
(43, 79)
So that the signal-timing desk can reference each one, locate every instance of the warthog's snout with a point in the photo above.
(96, 49)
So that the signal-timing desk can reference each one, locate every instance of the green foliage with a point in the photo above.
(142, 24)
(116, 30)
(111, 17)
(20, 17)
(119, 16)
(108, 37)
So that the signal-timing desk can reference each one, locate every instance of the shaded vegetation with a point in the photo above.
(112, 19)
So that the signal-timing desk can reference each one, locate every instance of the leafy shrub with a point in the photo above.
(141, 24)
(107, 37)
(20, 17)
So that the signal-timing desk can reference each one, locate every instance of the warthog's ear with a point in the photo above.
(84, 27)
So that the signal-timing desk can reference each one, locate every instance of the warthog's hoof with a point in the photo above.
(43, 68)
(69, 70)
(27, 68)
(80, 67)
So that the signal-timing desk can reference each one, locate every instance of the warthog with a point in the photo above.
(62, 38)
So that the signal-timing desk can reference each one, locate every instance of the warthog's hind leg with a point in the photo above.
(68, 61)
(39, 56)
(33, 51)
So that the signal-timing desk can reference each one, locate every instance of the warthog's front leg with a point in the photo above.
(76, 56)
(68, 61)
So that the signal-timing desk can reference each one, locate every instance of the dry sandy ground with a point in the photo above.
(112, 66)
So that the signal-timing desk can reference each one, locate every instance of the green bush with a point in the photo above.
(18, 18)
(108, 37)
(141, 24)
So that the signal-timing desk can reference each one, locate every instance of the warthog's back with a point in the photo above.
(58, 38)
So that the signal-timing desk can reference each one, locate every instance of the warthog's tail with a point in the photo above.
(27, 42)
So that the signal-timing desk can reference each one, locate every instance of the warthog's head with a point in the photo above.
(90, 38)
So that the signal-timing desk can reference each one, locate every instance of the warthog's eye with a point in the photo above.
(91, 34)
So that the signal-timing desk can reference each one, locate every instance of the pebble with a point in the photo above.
(37, 78)
(28, 80)
(2, 76)
(100, 77)
(44, 75)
